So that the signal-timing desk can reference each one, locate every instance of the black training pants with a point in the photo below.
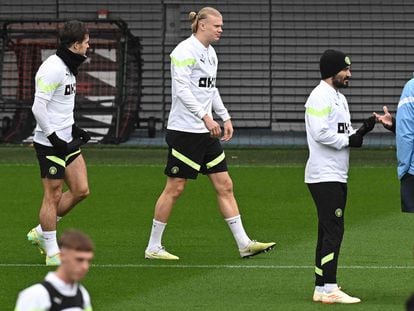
(330, 201)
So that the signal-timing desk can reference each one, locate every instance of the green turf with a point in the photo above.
(376, 262)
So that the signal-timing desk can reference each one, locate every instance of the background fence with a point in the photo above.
(269, 51)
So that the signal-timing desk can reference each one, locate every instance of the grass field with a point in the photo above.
(376, 262)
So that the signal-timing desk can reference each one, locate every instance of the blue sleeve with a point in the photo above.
(405, 130)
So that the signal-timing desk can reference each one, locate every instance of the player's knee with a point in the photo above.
(82, 193)
(226, 187)
(177, 191)
(174, 191)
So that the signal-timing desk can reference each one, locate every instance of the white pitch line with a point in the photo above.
(275, 267)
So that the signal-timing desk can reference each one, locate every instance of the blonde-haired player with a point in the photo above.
(193, 136)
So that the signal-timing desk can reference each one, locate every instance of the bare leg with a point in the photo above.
(48, 210)
(167, 199)
(224, 189)
(228, 206)
(76, 178)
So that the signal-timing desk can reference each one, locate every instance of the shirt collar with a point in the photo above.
(331, 89)
(197, 43)
(54, 279)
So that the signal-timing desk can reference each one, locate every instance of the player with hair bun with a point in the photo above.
(193, 136)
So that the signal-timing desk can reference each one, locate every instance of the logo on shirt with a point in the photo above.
(70, 89)
(211, 61)
(343, 128)
(207, 82)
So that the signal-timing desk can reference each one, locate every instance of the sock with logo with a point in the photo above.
(156, 235)
(236, 227)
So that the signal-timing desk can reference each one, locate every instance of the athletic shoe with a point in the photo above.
(53, 260)
(338, 296)
(317, 296)
(254, 248)
(36, 239)
(160, 253)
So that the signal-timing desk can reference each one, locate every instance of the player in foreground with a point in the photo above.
(61, 290)
(57, 138)
(329, 135)
(193, 137)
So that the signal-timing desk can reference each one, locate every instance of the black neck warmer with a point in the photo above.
(72, 60)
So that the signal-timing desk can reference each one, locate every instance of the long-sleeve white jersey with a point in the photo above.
(193, 87)
(328, 126)
(54, 100)
(36, 297)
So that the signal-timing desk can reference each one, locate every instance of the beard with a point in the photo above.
(340, 83)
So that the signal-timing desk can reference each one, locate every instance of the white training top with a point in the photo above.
(54, 100)
(193, 86)
(36, 297)
(328, 126)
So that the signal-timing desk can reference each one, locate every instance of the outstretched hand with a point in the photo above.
(386, 119)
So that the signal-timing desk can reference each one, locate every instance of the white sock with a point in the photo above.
(156, 234)
(39, 229)
(319, 289)
(236, 227)
(51, 245)
(330, 287)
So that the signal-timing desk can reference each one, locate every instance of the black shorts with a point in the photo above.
(191, 153)
(52, 166)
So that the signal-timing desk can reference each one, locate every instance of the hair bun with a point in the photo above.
(192, 16)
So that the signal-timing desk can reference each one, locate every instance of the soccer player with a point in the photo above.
(57, 138)
(403, 127)
(61, 289)
(193, 135)
(329, 136)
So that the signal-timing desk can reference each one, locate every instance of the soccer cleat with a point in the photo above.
(160, 253)
(36, 239)
(338, 296)
(254, 248)
(317, 296)
(53, 260)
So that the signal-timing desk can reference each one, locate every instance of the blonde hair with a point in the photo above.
(202, 14)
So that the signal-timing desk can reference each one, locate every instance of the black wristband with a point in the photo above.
(355, 140)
